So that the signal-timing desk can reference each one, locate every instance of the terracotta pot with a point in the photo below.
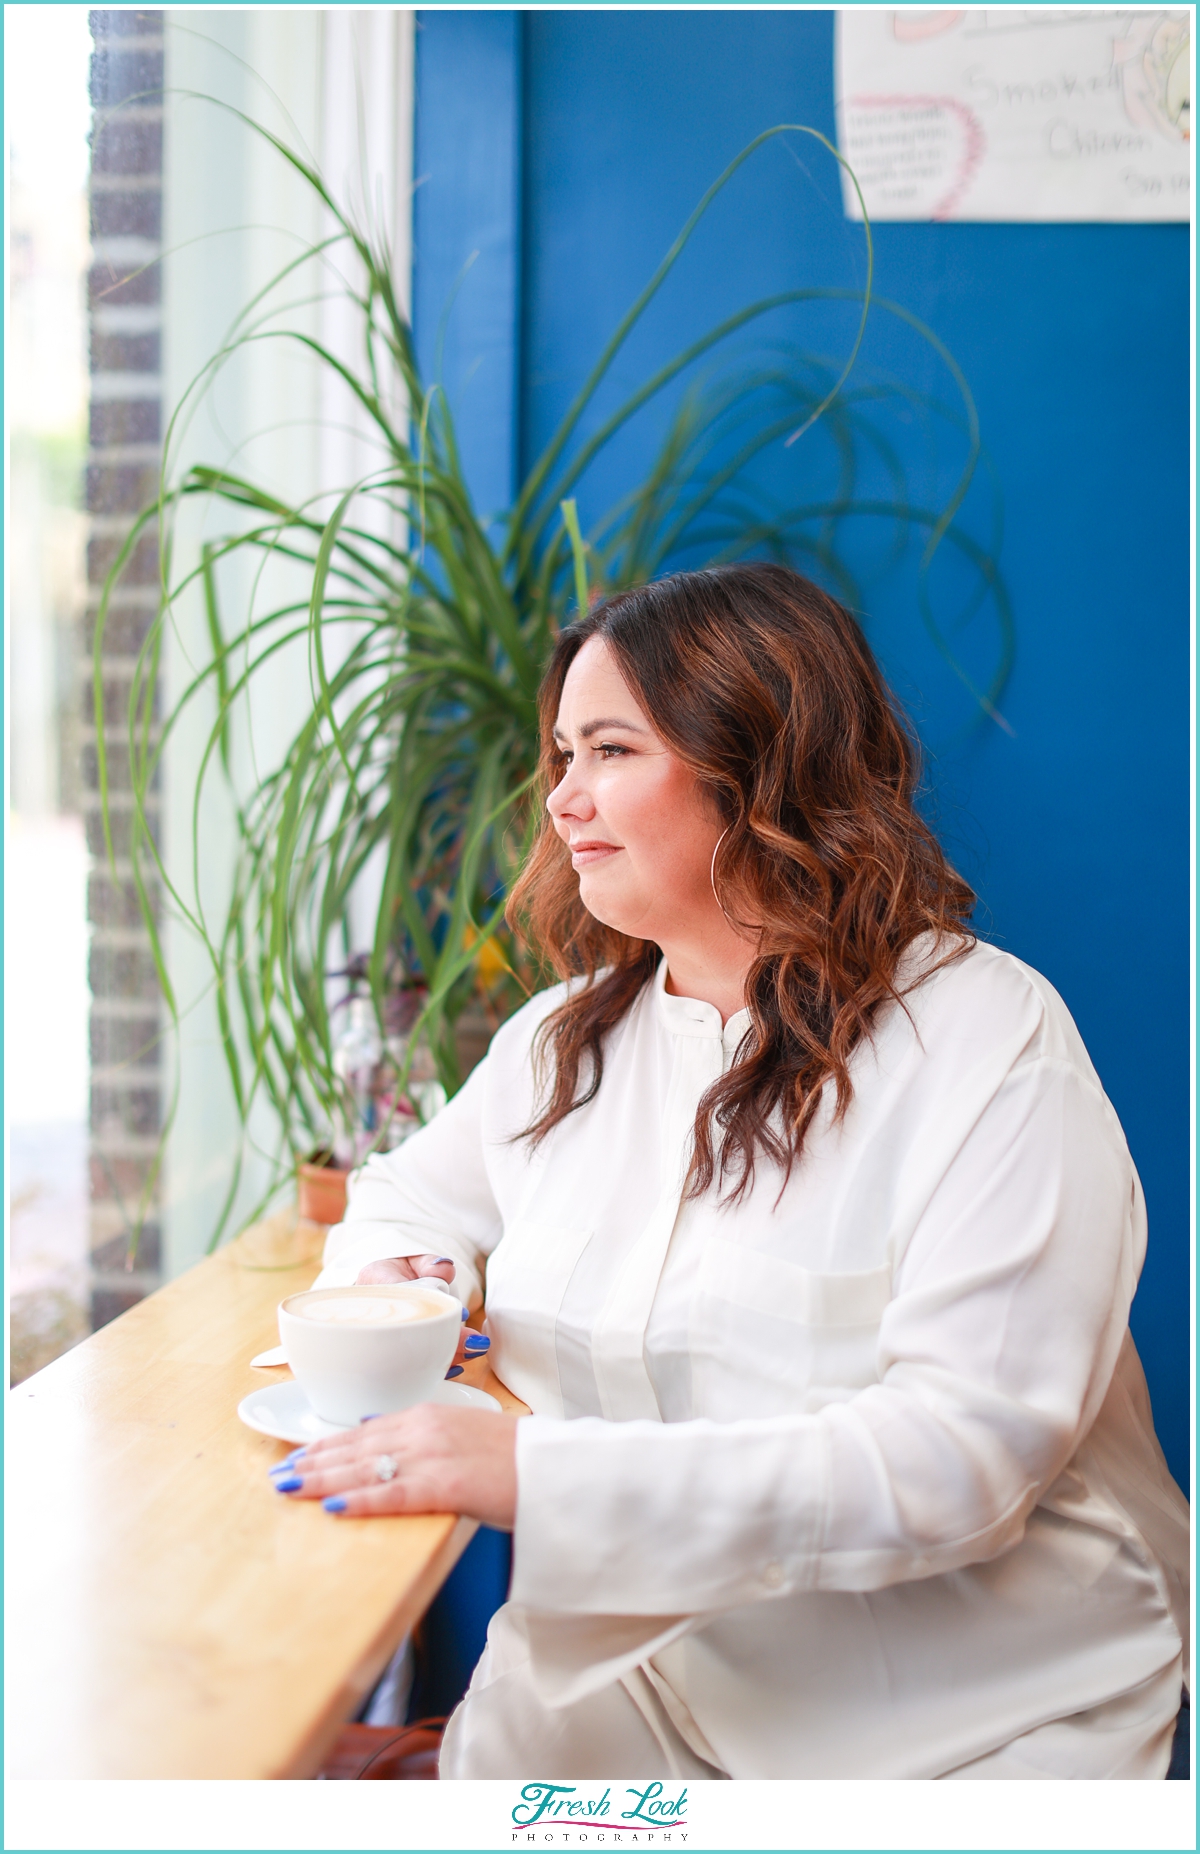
(320, 1192)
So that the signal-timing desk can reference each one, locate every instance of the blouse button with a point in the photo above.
(773, 1576)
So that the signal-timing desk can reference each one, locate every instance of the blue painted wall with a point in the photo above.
(467, 235)
(1074, 338)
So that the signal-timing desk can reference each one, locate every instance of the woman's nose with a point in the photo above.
(568, 798)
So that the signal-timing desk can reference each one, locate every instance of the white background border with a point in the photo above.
(745, 1815)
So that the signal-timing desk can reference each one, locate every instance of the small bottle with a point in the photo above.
(405, 1105)
(356, 1057)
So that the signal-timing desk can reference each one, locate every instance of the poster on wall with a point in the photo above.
(1016, 113)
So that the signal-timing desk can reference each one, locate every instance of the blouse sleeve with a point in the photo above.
(432, 1195)
(994, 1355)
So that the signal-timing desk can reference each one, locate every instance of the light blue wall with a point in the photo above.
(1075, 341)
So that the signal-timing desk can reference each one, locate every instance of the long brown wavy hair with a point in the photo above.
(766, 687)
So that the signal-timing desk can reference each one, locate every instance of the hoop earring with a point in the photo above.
(712, 870)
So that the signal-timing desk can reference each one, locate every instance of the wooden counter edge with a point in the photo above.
(309, 1755)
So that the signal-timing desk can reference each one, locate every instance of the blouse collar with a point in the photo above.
(693, 1017)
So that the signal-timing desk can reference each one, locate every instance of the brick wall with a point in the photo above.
(122, 476)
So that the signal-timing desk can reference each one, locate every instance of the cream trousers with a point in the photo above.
(503, 1730)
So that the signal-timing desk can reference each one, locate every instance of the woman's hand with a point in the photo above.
(406, 1268)
(423, 1268)
(435, 1460)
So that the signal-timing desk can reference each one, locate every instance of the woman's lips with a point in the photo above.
(582, 854)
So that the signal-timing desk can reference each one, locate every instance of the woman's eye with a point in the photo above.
(610, 750)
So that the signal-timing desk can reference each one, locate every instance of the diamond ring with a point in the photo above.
(386, 1468)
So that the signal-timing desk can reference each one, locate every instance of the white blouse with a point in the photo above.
(862, 1469)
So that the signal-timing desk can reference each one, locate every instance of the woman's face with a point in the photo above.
(641, 831)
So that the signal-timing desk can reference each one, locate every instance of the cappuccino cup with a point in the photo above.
(364, 1350)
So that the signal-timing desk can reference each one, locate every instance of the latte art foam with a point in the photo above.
(367, 1310)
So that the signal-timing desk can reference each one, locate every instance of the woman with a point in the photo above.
(808, 1213)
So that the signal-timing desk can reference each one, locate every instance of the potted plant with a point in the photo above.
(427, 632)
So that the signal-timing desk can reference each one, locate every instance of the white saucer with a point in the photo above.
(284, 1411)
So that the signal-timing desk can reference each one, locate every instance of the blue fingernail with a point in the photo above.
(455, 1371)
(291, 1485)
(287, 1464)
(445, 1258)
(466, 1313)
(369, 1419)
(478, 1342)
(335, 1504)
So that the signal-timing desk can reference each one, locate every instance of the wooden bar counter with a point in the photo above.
(169, 1614)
